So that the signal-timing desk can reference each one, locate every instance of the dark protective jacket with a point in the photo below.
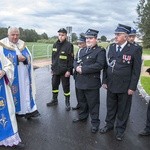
(62, 57)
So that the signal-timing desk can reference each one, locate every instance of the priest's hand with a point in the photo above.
(2, 73)
(21, 58)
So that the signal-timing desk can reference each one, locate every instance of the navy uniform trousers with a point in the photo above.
(89, 104)
(118, 104)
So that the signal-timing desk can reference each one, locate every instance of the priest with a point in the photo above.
(23, 88)
(8, 126)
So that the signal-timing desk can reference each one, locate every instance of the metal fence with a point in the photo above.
(40, 51)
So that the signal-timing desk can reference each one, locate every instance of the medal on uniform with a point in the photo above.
(129, 59)
(126, 58)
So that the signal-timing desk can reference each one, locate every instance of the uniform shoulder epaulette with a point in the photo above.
(135, 44)
(112, 44)
(101, 47)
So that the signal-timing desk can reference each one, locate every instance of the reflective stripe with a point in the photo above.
(55, 91)
(62, 57)
(67, 94)
(54, 49)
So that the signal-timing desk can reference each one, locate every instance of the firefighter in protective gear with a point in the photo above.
(62, 65)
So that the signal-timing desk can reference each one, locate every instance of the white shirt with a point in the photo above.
(122, 46)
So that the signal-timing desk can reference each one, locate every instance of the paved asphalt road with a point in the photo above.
(54, 130)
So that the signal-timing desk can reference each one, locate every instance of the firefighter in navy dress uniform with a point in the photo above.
(88, 68)
(81, 44)
(120, 79)
(132, 37)
(62, 65)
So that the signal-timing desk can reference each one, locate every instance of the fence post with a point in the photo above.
(33, 51)
(48, 51)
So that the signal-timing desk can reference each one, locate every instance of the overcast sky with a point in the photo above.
(50, 15)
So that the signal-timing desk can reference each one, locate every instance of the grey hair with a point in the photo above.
(13, 29)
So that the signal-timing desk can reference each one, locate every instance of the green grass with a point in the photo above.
(147, 63)
(41, 50)
(145, 81)
(103, 44)
(146, 51)
(75, 49)
(44, 50)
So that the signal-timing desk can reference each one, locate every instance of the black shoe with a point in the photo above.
(144, 133)
(105, 129)
(32, 115)
(52, 103)
(67, 102)
(119, 136)
(94, 129)
(76, 108)
(19, 146)
(79, 120)
(19, 116)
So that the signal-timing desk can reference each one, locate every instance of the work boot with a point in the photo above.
(54, 100)
(67, 101)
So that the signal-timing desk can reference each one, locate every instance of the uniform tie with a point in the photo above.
(88, 48)
(118, 50)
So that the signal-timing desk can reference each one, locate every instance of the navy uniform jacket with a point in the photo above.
(92, 63)
(139, 47)
(126, 71)
(62, 57)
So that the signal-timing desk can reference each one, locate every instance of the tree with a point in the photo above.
(26, 35)
(3, 33)
(53, 39)
(74, 37)
(103, 38)
(44, 36)
(143, 21)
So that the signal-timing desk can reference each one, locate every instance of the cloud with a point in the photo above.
(49, 15)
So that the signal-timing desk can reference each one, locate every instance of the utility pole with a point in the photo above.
(69, 33)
